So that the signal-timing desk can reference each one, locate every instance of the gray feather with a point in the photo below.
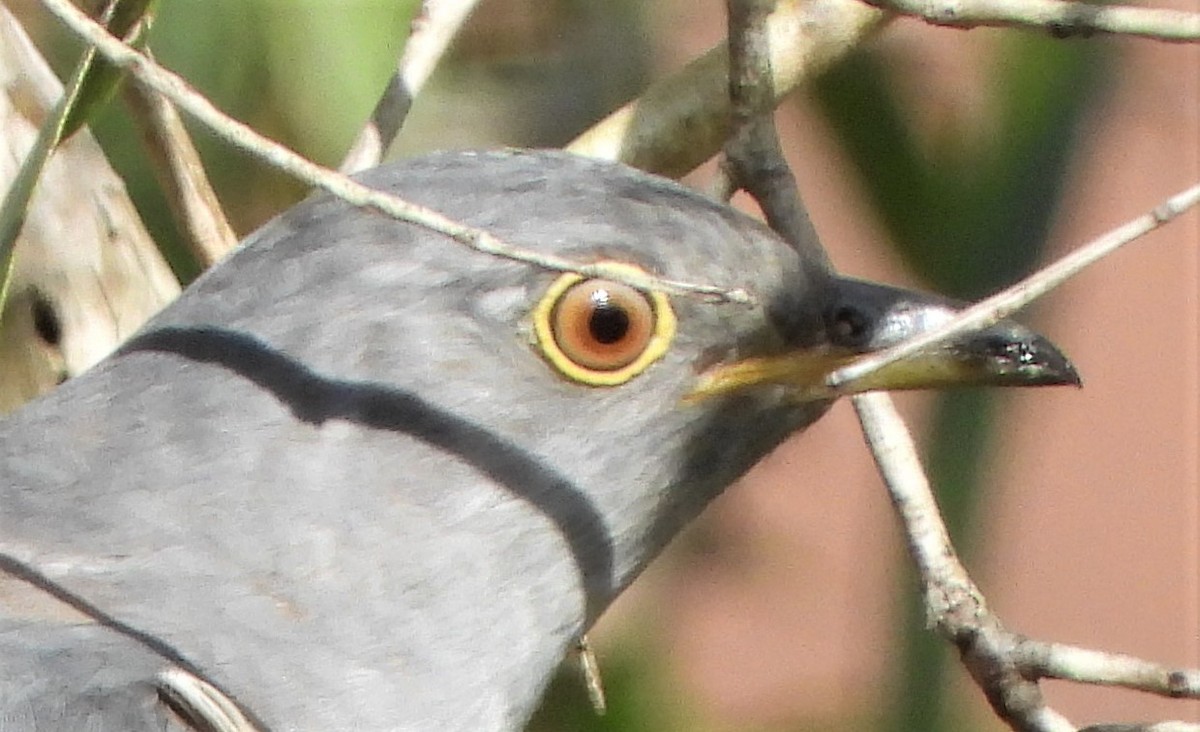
(335, 481)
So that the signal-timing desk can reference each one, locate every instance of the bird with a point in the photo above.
(361, 477)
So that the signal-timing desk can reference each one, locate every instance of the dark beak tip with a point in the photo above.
(1066, 377)
(1071, 377)
(1054, 367)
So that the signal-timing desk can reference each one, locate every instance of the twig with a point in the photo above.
(754, 158)
(1005, 666)
(1038, 659)
(180, 175)
(433, 28)
(589, 666)
(954, 606)
(683, 120)
(1001, 305)
(173, 87)
(201, 703)
(1061, 19)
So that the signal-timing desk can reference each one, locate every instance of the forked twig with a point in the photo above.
(1006, 666)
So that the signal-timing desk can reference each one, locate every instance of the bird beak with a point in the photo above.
(865, 318)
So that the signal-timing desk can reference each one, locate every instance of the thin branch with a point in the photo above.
(1001, 305)
(181, 176)
(173, 87)
(750, 84)
(683, 120)
(754, 159)
(1004, 665)
(947, 586)
(953, 602)
(1061, 19)
(201, 703)
(1039, 659)
(435, 25)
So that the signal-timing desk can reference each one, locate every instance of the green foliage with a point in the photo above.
(101, 79)
(251, 59)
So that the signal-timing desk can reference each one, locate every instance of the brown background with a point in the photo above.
(1093, 513)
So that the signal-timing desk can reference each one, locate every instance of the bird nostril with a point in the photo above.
(848, 326)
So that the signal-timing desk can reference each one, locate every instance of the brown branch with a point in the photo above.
(754, 159)
(180, 174)
(1007, 667)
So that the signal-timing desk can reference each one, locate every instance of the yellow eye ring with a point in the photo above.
(601, 332)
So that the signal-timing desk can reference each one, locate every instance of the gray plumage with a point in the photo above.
(335, 480)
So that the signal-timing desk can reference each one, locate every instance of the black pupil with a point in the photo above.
(608, 322)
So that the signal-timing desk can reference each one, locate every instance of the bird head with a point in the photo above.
(620, 411)
(362, 475)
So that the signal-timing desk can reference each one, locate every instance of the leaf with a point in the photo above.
(127, 19)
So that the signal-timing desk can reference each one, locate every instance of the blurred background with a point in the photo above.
(949, 160)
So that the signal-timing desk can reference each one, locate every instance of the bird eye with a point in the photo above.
(602, 325)
(602, 332)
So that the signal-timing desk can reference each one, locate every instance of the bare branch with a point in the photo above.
(1061, 19)
(1038, 659)
(181, 175)
(432, 30)
(754, 158)
(1002, 304)
(955, 607)
(683, 120)
(1007, 667)
(947, 586)
(173, 87)
(1004, 665)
